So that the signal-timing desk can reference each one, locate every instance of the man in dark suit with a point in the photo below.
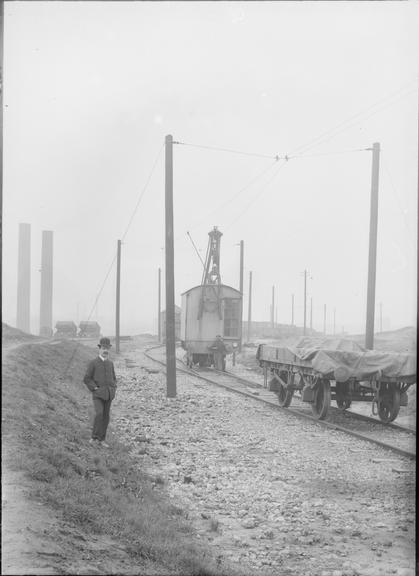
(101, 381)
(220, 351)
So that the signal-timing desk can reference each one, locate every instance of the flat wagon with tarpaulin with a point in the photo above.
(209, 310)
(339, 370)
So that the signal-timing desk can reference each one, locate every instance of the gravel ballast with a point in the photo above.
(265, 489)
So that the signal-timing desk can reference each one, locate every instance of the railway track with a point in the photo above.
(393, 437)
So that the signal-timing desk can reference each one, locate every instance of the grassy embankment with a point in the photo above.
(45, 435)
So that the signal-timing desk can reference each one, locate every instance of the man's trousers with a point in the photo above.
(101, 421)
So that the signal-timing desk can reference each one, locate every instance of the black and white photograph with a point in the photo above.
(209, 287)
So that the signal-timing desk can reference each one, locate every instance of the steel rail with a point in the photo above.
(293, 411)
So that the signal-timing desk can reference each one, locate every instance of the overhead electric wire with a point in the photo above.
(333, 153)
(324, 136)
(258, 195)
(142, 192)
(353, 120)
(219, 149)
(114, 258)
(321, 139)
(232, 198)
(196, 249)
(383, 162)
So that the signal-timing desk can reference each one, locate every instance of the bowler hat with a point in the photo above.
(105, 342)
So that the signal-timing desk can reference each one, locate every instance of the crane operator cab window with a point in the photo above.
(231, 317)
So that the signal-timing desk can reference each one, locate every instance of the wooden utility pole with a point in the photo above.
(241, 291)
(170, 275)
(372, 254)
(292, 310)
(305, 300)
(159, 309)
(118, 295)
(249, 316)
(311, 313)
(334, 321)
(381, 316)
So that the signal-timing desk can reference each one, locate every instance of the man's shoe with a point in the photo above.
(104, 444)
(93, 441)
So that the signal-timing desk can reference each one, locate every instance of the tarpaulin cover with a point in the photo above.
(341, 359)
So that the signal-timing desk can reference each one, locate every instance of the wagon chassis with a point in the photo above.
(386, 395)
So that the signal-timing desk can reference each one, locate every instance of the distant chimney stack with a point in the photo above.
(45, 323)
(24, 278)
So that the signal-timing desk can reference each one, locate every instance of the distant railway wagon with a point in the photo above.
(338, 370)
(65, 329)
(89, 329)
(207, 311)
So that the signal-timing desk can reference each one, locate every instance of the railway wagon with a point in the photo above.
(209, 310)
(340, 371)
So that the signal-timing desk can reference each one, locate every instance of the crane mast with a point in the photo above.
(211, 278)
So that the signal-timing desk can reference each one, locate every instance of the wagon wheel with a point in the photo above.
(343, 399)
(389, 404)
(284, 394)
(321, 403)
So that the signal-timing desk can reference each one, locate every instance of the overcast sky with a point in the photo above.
(92, 89)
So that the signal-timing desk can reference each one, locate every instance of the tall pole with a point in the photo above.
(159, 309)
(118, 295)
(334, 321)
(292, 310)
(249, 316)
(311, 313)
(241, 291)
(305, 299)
(324, 319)
(381, 316)
(170, 275)
(372, 254)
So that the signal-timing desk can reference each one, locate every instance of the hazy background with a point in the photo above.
(92, 89)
